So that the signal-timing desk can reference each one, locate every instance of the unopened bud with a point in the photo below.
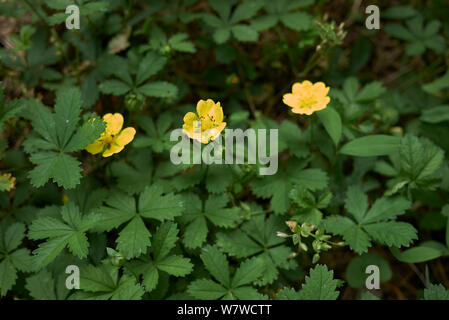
(282, 234)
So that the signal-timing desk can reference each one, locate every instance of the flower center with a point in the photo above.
(307, 101)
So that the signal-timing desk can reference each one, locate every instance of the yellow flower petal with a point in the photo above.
(114, 123)
(114, 148)
(95, 147)
(126, 136)
(290, 100)
(203, 107)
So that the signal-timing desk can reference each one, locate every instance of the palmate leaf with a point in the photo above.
(55, 135)
(195, 218)
(69, 232)
(419, 157)
(258, 237)
(283, 10)
(238, 287)
(227, 22)
(12, 259)
(44, 286)
(164, 241)
(134, 238)
(376, 224)
(103, 283)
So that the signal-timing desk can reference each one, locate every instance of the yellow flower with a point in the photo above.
(306, 97)
(113, 139)
(207, 125)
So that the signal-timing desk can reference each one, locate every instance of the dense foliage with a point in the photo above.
(86, 177)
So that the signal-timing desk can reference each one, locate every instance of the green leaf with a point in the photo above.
(70, 233)
(179, 43)
(43, 121)
(41, 286)
(151, 64)
(357, 239)
(356, 203)
(249, 271)
(206, 290)
(67, 113)
(150, 278)
(134, 239)
(8, 110)
(246, 10)
(419, 157)
(370, 92)
(156, 205)
(392, 233)
(299, 21)
(438, 84)
(13, 236)
(195, 233)
(164, 240)
(386, 208)
(90, 131)
(320, 285)
(8, 276)
(216, 263)
(244, 33)
(175, 265)
(96, 279)
(222, 35)
(115, 87)
(159, 89)
(436, 114)
(49, 250)
(332, 123)
(370, 146)
(417, 254)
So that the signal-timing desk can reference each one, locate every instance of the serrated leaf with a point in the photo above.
(320, 285)
(42, 286)
(8, 276)
(392, 233)
(216, 263)
(249, 271)
(206, 289)
(154, 204)
(164, 240)
(356, 203)
(134, 239)
(175, 265)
